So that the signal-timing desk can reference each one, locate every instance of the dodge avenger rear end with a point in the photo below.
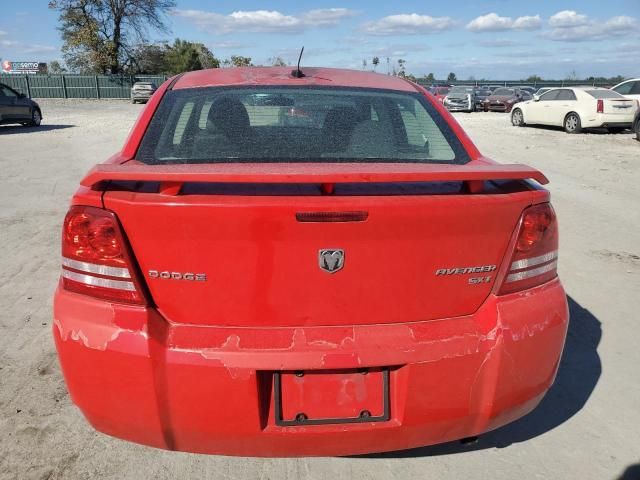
(360, 279)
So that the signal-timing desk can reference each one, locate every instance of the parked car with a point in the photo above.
(577, 108)
(481, 94)
(636, 125)
(629, 88)
(232, 284)
(528, 89)
(461, 99)
(440, 92)
(17, 108)
(542, 90)
(142, 91)
(504, 98)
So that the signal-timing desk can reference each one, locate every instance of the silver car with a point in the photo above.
(142, 91)
(461, 99)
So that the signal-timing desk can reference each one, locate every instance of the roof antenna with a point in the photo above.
(297, 73)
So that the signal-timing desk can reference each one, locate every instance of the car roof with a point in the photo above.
(314, 76)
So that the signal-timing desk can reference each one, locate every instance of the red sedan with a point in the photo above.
(360, 281)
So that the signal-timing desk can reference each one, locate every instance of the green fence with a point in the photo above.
(114, 86)
(515, 83)
(77, 86)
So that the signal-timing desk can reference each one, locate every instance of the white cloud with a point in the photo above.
(408, 24)
(621, 23)
(262, 21)
(492, 22)
(2, 32)
(19, 47)
(37, 48)
(397, 50)
(326, 16)
(529, 22)
(226, 45)
(570, 26)
(568, 18)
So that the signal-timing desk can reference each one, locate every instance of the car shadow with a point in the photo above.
(579, 372)
(15, 129)
(632, 472)
(596, 131)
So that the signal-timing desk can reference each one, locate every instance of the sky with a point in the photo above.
(495, 39)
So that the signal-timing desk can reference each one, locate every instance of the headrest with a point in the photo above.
(229, 116)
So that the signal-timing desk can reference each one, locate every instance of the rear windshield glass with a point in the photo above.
(216, 125)
(604, 94)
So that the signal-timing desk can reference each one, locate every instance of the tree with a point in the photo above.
(364, 63)
(430, 78)
(55, 68)
(451, 77)
(401, 68)
(534, 78)
(375, 61)
(99, 35)
(277, 62)
(239, 61)
(182, 56)
(206, 56)
(149, 58)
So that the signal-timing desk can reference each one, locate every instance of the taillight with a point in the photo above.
(535, 257)
(600, 108)
(95, 257)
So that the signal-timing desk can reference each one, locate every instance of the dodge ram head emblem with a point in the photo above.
(331, 259)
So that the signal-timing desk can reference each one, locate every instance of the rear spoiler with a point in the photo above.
(172, 176)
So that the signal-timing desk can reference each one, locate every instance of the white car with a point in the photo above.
(629, 88)
(577, 108)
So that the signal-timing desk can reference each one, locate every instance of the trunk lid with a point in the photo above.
(411, 259)
(619, 106)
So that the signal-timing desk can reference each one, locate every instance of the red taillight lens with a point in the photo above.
(600, 108)
(95, 257)
(535, 256)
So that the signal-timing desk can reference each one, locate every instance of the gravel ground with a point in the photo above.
(587, 427)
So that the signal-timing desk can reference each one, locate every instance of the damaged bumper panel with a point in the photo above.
(213, 389)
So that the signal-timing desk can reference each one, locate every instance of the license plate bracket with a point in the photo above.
(321, 397)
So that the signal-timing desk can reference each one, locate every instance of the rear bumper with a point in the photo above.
(498, 107)
(459, 108)
(141, 95)
(608, 120)
(210, 389)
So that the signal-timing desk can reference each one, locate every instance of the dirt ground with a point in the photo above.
(588, 426)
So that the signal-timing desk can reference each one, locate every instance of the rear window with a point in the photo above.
(603, 94)
(218, 125)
